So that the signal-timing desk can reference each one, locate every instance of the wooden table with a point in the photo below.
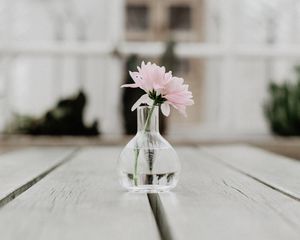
(226, 192)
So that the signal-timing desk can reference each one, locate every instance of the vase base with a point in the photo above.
(149, 182)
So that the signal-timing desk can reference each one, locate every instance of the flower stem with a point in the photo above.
(137, 150)
(147, 124)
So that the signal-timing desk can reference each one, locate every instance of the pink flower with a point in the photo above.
(149, 77)
(177, 95)
(161, 88)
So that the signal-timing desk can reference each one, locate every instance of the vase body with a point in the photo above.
(148, 163)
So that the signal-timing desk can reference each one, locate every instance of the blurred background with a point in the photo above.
(62, 63)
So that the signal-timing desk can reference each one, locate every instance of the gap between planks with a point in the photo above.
(220, 161)
(158, 208)
(33, 181)
(160, 216)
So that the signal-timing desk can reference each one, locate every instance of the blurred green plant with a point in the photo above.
(66, 118)
(282, 109)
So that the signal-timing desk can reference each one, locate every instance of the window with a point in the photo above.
(180, 18)
(137, 17)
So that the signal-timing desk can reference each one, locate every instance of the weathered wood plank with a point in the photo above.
(274, 170)
(213, 201)
(5, 149)
(80, 200)
(22, 168)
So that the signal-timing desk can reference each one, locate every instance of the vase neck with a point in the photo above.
(148, 119)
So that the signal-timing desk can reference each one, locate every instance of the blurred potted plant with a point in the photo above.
(282, 109)
(66, 118)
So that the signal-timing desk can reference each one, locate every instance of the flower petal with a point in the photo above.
(131, 85)
(143, 99)
(135, 76)
(165, 109)
(149, 101)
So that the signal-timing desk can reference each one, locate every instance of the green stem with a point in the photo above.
(137, 151)
(147, 124)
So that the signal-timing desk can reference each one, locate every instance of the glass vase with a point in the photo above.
(148, 163)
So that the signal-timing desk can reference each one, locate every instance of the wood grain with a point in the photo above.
(80, 200)
(213, 201)
(279, 172)
(20, 169)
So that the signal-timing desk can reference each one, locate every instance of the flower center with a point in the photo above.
(157, 98)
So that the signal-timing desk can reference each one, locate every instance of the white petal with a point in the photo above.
(131, 85)
(165, 108)
(143, 99)
(149, 101)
